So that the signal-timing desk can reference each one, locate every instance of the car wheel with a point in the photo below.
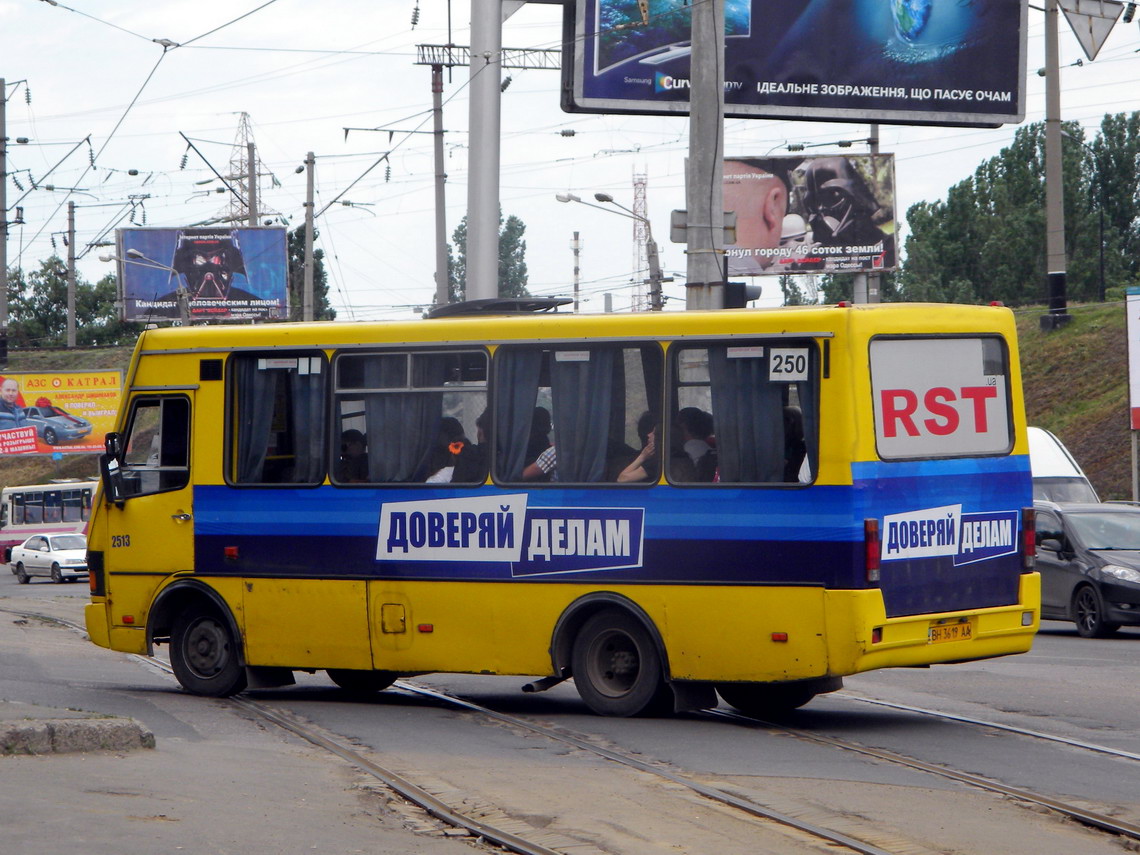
(616, 667)
(361, 682)
(204, 654)
(21, 574)
(49, 436)
(56, 574)
(1088, 612)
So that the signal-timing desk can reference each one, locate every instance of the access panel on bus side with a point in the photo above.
(946, 490)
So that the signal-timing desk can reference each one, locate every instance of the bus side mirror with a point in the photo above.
(110, 470)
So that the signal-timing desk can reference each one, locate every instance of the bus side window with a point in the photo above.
(410, 417)
(597, 397)
(157, 456)
(278, 405)
(744, 412)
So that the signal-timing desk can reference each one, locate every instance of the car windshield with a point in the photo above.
(1107, 530)
(69, 541)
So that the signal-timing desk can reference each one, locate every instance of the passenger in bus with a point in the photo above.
(696, 458)
(544, 467)
(352, 468)
(646, 466)
(443, 457)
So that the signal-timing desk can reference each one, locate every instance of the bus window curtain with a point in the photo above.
(256, 393)
(517, 373)
(257, 399)
(308, 425)
(583, 396)
(808, 405)
(749, 416)
(401, 425)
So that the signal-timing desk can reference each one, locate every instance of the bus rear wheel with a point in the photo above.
(204, 654)
(617, 669)
(361, 682)
(766, 700)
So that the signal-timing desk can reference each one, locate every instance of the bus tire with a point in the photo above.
(616, 667)
(361, 682)
(1088, 614)
(766, 700)
(204, 653)
(21, 574)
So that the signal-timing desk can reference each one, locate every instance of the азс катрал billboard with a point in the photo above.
(227, 274)
(950, 62)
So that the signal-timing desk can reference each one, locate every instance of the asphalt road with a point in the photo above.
(1076, 688)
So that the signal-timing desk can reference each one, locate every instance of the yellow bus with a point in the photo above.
(660, 506)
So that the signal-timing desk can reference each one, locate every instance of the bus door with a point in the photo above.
(150, 529)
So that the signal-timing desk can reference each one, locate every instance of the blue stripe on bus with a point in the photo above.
(718, 535)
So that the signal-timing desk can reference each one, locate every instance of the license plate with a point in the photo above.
(940, 632)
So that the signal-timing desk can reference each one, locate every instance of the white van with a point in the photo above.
(1056, 475)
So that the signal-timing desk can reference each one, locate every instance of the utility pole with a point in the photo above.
(866, 286)
(576, 248)
(251, 169)
(3, 224)
(307, 290)
(71, 274)
(442, 275)
(704, 179)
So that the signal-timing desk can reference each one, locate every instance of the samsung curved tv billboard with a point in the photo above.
(948, 62)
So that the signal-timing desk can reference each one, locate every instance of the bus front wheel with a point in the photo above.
(616, 667)
(361, 682)
(204, 654)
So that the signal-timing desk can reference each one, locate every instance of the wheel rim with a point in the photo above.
(206, 648)
(613, 663)
(49, 436)
(1088, 611)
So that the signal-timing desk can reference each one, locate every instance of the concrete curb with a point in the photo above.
(60, 736)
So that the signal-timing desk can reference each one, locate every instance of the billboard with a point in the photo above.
(226, 274)
(53, 412)
(819, 213)
(948, 62)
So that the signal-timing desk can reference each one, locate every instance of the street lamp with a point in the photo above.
(655, 279)
(1099, 202)
(134, 256)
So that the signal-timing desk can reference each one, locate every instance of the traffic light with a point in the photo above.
(737, 295)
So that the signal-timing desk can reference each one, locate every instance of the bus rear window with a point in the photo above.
(940, 397)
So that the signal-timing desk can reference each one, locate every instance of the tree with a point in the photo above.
(38, 309)
(512, 260)
(295, 248)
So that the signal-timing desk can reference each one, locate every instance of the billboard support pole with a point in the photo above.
(874, 280)
(3, 223)
(704, 179)
(483, 174)
(251, 159)
(307, 288)
(71, 274)
(1054, 190)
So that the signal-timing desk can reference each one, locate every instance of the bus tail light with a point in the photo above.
(871, 549)
(1028, 539)
(96, 577)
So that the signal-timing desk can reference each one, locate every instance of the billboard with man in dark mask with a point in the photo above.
(203, 274)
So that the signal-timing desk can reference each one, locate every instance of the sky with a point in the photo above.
(107, 99)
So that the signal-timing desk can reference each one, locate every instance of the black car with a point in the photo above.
(1089, 558)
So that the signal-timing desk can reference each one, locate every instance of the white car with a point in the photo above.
(60, 556)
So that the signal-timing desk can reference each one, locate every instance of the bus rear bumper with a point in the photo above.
(100, 631)
(951, 637)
